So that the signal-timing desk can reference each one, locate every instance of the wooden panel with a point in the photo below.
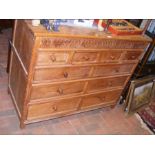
(18, 83)
(110, 56)
(106, 70)
(24, 43)
(132, 55)
(83, 43)
(52, 57)
(57, 107)
(100, 98)
(53, 90)
(63, 73)
(85, 57)
(106, 83)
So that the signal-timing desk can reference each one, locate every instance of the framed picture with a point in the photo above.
(153, 93)
(140, 94)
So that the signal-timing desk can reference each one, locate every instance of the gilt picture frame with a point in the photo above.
(140, 94)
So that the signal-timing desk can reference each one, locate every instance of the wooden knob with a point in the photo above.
(133, 56)
(110, 83)
(86, 58)
(112, 57)
(60, 91)
(65, 74)
(102, 98)
(53, 58)
(54, 108)
(116, 70)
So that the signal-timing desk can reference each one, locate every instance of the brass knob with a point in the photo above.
(60, 91)
(65, 74)
(53, 58)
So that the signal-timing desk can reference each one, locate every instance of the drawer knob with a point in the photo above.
(60, 91)
(110, 83)
(102, 98)
(86, 58)
(112, 57)
(133, 57)
(54, 108)
(116, 70)
(65, 74)
(53, 58)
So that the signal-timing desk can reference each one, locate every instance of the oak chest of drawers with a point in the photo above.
(54, 74)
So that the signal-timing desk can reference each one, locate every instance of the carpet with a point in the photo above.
(148, 116)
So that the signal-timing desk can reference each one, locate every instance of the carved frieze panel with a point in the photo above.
(80, 43)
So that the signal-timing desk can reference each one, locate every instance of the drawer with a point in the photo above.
(105, 70)
(63, 73)
(53, 90)
(106, 83)
(132, 55)
(50, 58)
(52, 108)
(84, 57)
(110, 56)
(100, 98)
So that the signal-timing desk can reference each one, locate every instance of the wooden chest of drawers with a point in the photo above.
(54, 74)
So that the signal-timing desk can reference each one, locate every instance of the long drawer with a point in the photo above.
(106, 83)
(61, 73)
(55, 107)
(115, 69)
(98, 99)
(42, 91)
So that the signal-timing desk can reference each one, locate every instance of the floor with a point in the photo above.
(101, 121)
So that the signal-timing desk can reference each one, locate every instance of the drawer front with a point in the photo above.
(132, 55)
(100, 98)
(106, 83)
(84, 57)
(63, 73)
(50, 58)
(110, 56)
(56, 107)
(112, 70)
(53, 90)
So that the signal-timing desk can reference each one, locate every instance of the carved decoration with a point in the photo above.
(80, 43)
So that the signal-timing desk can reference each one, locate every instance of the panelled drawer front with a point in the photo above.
(52, 108)
(106, 83)
(110, 56)
(132, 55)
(84, 57)
(63, 73)
(53, 57)
(100, 98)
(53, 90)
(105, 70)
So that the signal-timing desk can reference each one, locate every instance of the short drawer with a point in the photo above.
(56, 90)
(84, 57)
(110, 56)
(100, 98)
(107, 70)
(61, 73)
(132, 55)
(106, 83)
(52, 108)
(50, 58)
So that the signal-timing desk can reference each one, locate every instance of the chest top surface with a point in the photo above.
(81, 32)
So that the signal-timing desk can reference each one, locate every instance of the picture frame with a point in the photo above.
(140, 94)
